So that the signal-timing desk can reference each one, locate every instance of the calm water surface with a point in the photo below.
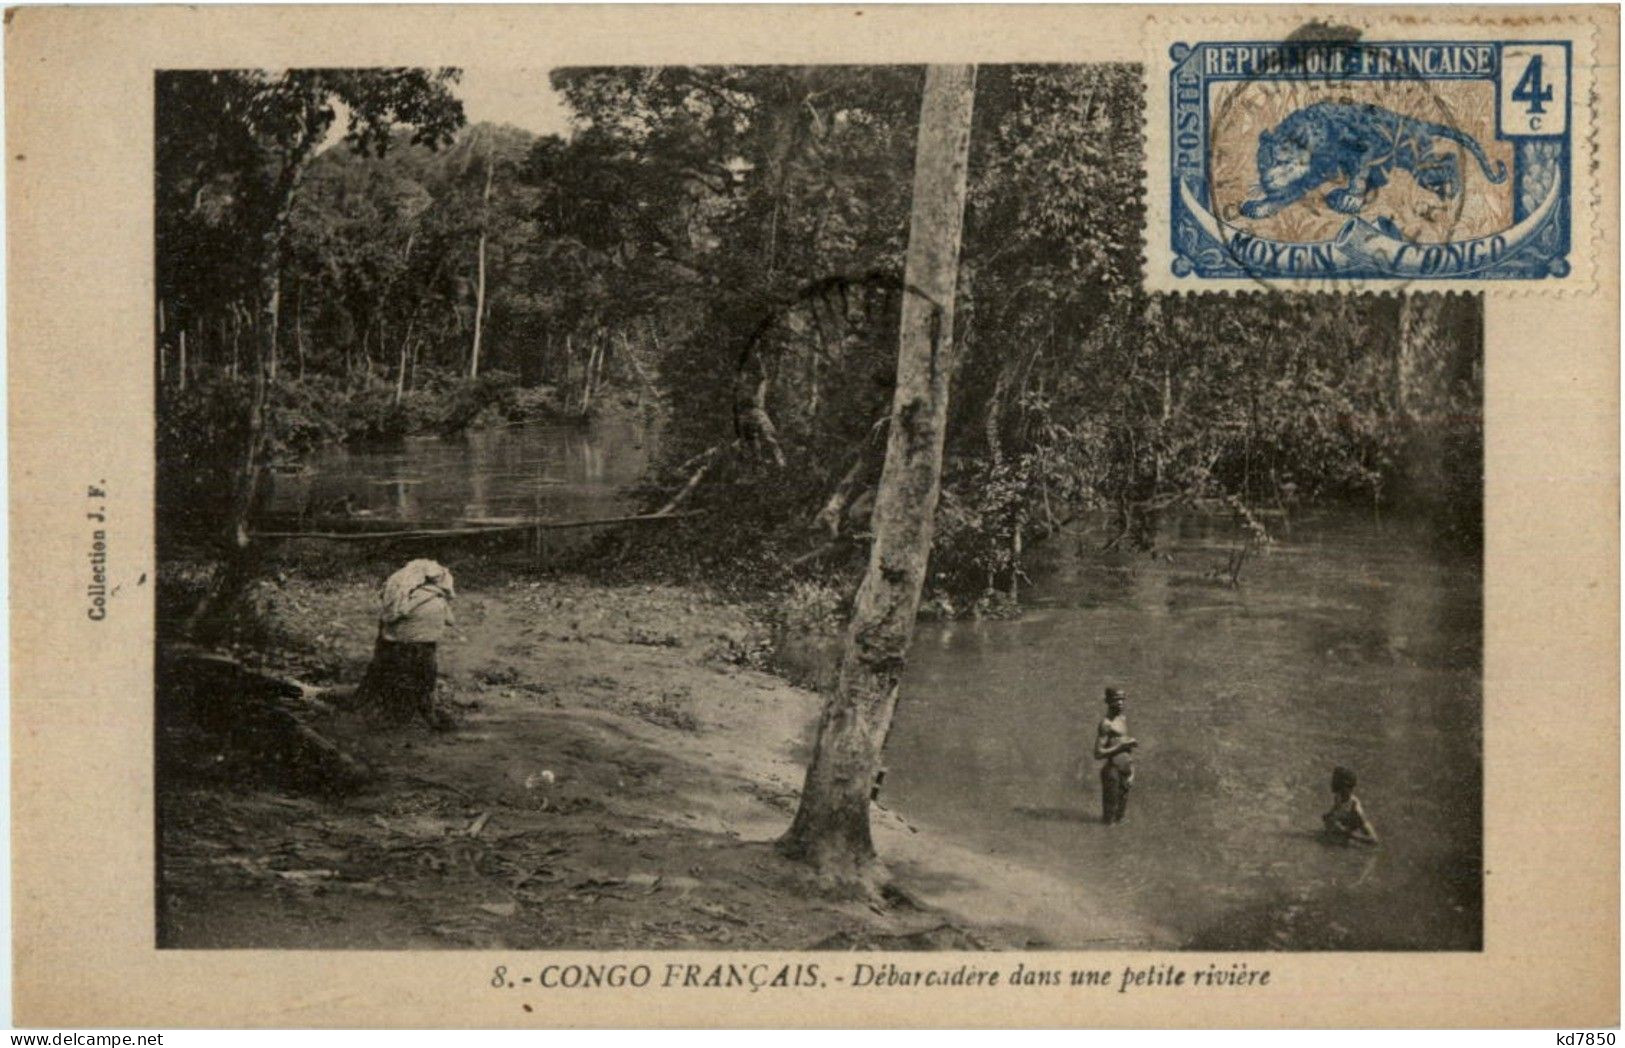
(552, 471)
(1350, 643)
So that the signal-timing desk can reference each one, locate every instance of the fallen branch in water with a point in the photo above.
(706, 459)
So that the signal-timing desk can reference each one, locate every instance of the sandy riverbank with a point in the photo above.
(675, 763)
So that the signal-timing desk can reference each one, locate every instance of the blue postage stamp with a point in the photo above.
(1429, 160)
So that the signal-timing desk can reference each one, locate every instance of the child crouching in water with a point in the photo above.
(1346, 822)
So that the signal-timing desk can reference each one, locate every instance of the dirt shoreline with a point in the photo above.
(674, 765)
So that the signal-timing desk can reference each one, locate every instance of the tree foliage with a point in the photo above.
(730, 239)
(232, 147)
(759, 210)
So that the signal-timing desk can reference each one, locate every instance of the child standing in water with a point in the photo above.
(1346, 821)
(1114, 746)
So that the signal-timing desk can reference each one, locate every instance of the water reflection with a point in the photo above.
(547, 471)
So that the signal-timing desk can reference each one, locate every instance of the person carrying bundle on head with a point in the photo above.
(413, 614)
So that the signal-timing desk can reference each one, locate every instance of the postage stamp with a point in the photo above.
(1337, 159)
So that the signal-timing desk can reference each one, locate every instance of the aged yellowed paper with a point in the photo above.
(814, 516)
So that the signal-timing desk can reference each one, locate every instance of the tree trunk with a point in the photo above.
(1015, 563)
(400, 372)
(751, 420)
(812, 391)
(645, 383)
(299, 329)
(833, 511)
(274, 319)
(1159, 461)
(209, 618)
(595, 367)
(180, 364)
(253, 459)
(995, 407)
(212, 613)
(831, 827)
(479, 287)
(569, 367)
(1422, 389)
(586, 376)
(1421, 382)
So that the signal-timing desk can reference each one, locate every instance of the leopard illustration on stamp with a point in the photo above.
(1364, 143)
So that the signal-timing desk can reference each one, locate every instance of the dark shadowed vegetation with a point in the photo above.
(342, 259)
(768, 214)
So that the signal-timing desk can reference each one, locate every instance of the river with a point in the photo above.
(550, 471)
(1353, 641)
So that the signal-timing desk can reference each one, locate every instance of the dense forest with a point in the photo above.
(893, 326)
(341, 257)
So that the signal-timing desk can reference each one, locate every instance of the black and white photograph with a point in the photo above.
(762, 507)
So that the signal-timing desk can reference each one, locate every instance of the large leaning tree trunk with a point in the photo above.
(831, 827)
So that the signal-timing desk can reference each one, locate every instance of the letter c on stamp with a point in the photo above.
(1350, 161)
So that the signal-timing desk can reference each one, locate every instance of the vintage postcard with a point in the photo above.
(814, 516)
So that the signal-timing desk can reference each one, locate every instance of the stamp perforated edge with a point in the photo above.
(1578, 26)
